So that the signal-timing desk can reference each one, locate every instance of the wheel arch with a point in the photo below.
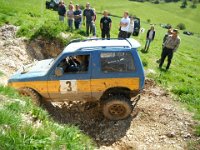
(26, 87)
(124, 91)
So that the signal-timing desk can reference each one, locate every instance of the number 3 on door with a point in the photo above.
(68, 86)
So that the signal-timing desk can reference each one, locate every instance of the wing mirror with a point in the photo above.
(59, 71)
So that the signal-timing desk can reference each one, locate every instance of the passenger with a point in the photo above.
(83, 62)
(74, 65)
(78, 63)
(170, 46)
(105, 25)
(61, 11)
(124, 25)
(149, 38)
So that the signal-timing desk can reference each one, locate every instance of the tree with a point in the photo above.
(184, 4)
(194, 4)
(181, 26)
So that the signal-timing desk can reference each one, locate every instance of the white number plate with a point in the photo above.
(68, 86)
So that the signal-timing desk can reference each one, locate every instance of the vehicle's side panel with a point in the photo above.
(73, 90)
(99, 86)
(139, 68)
(70, 86)
(38, 86)
(101, 81)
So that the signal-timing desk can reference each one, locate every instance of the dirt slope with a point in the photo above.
(158, 122)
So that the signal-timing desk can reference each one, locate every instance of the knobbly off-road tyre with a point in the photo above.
(117, 108)
(36, 98)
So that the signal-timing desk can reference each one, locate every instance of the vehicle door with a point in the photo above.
(116, 69)
(70, 78)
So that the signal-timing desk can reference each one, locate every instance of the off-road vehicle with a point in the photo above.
(107, 71)
(52, 4)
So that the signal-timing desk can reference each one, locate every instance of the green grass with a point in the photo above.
(19, 133)
(1, 73)
(182, 79)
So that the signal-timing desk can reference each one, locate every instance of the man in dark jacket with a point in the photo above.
(169, 32)
(77, 17)
(105, 25)
(88, 15)
(149, 38)
(61, 10)
(170, 46)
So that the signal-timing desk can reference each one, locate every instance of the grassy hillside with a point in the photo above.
(24, 126)
(183, 77)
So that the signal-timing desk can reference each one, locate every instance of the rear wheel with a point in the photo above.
(117, 108)
(36, 98)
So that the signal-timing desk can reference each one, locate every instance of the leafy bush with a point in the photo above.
(3, 19)
(148, 20)
(156, 2)
(181, 26)
(50, 30)
(145, 62)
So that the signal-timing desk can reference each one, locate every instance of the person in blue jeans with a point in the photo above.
(70, 17)
(149, 38)
(77, 17)
(88, 15)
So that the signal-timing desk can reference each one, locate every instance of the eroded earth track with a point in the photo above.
(158, 122)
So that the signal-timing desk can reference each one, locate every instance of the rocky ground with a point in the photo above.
(157, 123)
(16, 52)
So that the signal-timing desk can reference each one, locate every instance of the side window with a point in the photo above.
(75, 64)
(117, 62)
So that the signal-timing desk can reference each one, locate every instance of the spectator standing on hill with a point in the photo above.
(70, 17)
(170, 46)
(88, 15)
(105, 25)
(131, 27)
(61, 11)
(77, 17)
(71, 3)
(93, 29)
(149, 38)
(169, 32)
(124, 25)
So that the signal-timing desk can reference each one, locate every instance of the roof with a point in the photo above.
(128, 43)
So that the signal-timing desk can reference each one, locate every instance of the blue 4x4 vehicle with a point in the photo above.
(108, 71)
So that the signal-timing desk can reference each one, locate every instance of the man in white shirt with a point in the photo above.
(124, 26)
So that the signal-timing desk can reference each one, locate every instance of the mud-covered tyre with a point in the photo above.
(117, 108)
(36, 98)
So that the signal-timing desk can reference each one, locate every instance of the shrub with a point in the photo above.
(181, 26)
(82, 7)
(145, 62)
(148, 20)
(49, 30)
(156, 2)
(184, 4)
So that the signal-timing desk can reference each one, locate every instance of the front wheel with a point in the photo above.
(117, 108)
(36, 98)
